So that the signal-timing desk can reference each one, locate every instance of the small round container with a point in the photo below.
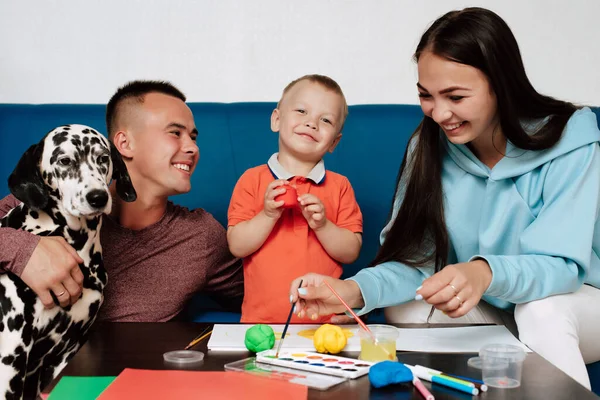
(502, 365)
(290, 197)
(383, 347)
(183, 357)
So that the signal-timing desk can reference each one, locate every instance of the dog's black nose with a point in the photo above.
(97, 198)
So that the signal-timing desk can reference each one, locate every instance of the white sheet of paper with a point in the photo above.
(470, 339)
(231, 337)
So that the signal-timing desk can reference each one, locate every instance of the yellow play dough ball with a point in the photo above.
(329, 339)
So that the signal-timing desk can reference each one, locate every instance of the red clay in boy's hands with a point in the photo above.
(290, 197)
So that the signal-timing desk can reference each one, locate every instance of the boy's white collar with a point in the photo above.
(317, 174)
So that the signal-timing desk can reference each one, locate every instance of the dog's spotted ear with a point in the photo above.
(125, 188)
(25, 182)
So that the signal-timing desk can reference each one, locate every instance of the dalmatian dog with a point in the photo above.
(63, 184)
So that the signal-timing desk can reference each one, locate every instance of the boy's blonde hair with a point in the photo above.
(324, 81)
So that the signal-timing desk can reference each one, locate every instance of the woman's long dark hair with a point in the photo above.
(481, 39)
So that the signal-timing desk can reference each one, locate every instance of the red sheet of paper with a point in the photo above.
(181, 385)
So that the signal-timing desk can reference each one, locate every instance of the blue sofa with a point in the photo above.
(234, 137)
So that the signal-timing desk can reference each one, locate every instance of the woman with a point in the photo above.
(497, 200)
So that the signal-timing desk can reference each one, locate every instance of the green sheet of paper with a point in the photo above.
(80, 387)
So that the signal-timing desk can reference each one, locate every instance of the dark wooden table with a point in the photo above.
(113, 347)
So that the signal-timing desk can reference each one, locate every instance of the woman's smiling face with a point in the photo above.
(458, 97)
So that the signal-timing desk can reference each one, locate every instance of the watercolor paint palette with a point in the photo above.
(305, 378)
(316, 362)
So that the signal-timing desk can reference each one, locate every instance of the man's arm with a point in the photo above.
(230, 295)
(225, 277)
(17, 245)
(7, 204)
(43, 263)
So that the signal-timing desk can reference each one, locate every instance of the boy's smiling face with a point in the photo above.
(309, 119)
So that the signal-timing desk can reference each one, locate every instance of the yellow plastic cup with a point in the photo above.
(383, 347)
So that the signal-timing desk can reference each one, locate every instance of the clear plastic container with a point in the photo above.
(183, 357)
(502, 365)
(383, 347)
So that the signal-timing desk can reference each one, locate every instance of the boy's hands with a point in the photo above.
(248, 236)
(273, 209)
(313, 210)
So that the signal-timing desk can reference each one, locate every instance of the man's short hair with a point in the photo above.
(136, 91)
(324, 81)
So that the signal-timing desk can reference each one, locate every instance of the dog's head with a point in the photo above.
(72, 164)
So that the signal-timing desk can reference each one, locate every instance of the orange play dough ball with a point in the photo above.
(290, 197)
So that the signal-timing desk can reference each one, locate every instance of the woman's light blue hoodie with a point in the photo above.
(533, 218)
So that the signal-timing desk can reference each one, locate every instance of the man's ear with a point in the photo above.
(125, 188)
(275, 120)
(123, 143)
(26, 183)
(335, 142)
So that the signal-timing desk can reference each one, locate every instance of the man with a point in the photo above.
(157, 254)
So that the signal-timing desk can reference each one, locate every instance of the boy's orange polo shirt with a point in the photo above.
(292, 249)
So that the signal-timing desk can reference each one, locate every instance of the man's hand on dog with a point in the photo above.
(54, 266)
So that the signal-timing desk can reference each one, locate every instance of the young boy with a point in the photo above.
(318, 233)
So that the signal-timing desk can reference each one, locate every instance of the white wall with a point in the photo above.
(80, 51)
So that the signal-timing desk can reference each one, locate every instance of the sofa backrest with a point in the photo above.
(236, 136)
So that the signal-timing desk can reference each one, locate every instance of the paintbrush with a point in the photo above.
(286, 325)
(356, 317)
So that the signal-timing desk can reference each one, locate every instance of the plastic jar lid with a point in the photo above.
(497, 353)
(475, 362)
(183, 356)
(506, 352)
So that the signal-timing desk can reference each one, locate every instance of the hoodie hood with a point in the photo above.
(580, 130)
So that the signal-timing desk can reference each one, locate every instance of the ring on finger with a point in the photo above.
(60, 294)
(460, 302)
(453, 288)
